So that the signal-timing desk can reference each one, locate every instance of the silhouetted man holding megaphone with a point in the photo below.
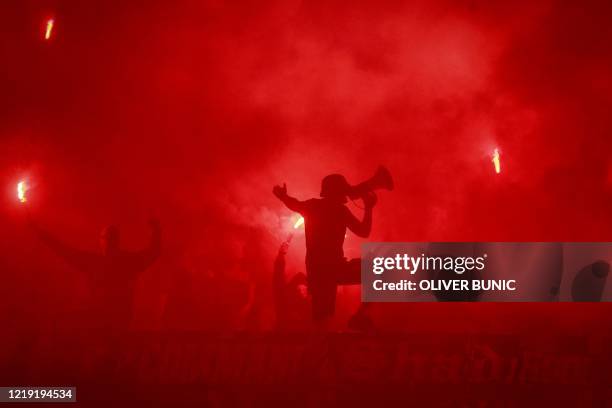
(326, 220)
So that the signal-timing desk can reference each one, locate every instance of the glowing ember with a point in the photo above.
(299, 223)
(22, 188)
(49, 29)
(496, 161)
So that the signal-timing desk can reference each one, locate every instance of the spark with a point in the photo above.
(298, 223)
(22, 188)
(496, 161)
(49, 29)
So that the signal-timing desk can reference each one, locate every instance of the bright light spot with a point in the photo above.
(496, 161)
(49, 28)
(298, 223)
(22, 188)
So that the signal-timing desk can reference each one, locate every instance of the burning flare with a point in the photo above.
(298, 223)
(22, 188)
(496, 161)
(49, 29)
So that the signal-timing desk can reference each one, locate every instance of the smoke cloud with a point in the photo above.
(192, 111)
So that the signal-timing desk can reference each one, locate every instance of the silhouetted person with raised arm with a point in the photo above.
(325, 221)
(291, 301)
(111, 274)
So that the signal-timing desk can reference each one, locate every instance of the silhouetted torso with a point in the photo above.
(112, 281)
(292, 310)
(325, 223)
(291, 304)
(111, 278)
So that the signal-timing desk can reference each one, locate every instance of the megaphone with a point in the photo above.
(380, 180)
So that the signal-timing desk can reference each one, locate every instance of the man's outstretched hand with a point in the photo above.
(280, 192)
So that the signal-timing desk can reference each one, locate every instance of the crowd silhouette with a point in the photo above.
(235, 294)
(247, 291)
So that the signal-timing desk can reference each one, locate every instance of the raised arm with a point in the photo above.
(364, 227)
(279, 283)
(75, 257)
(292, 203)
(279, 277)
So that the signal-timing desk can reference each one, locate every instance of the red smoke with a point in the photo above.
(192, 110)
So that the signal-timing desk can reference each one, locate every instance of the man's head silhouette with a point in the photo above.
(335, 187)
(109, 240)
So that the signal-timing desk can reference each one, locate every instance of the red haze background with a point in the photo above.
(192, 110)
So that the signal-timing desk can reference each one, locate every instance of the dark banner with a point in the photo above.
(306, 367)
